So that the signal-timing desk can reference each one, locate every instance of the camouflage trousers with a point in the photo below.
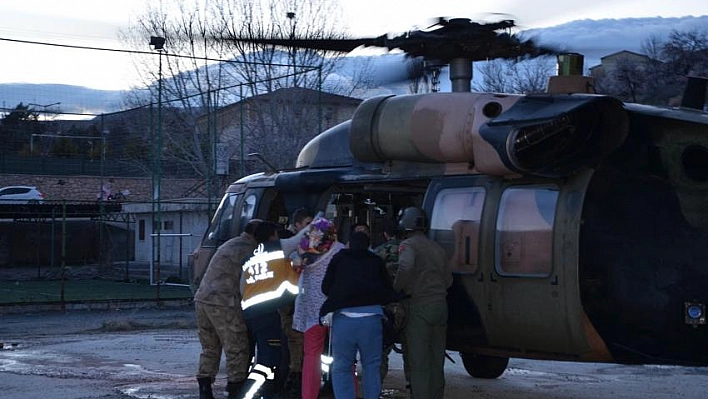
(222, 328)
(295, 338)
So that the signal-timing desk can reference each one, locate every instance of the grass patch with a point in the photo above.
(86, 290)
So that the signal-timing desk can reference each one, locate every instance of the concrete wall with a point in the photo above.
(87, 188)
(39, 243)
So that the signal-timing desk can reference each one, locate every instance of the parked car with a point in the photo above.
(20, 195)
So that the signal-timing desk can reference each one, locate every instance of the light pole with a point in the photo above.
(291, 16)
(158, 44)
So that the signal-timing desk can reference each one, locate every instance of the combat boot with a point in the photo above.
(205, 388)
(293, 385)
(235, 389)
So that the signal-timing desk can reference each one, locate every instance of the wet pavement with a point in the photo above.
(115, 354)
(153, 353)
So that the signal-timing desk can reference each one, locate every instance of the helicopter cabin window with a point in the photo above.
(524, 233)
(220, 228)
(248, 209)
(455, 225)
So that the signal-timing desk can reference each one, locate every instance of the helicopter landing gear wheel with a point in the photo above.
(483, 366)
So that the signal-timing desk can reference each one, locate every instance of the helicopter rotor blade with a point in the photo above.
(450, 41)
(450, 38)
(337, 45)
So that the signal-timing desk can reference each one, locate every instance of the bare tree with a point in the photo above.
(626, 80)
(494, 78)
(651, 47)
(686, 52)
(659, 77)
(275, 126)
(515, 76)
(531, 76)
(206, 65)
(183, 82)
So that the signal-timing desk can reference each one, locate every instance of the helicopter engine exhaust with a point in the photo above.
(544, 135)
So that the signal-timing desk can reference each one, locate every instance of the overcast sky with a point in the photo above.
(96, 23)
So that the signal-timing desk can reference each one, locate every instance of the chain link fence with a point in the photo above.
(71, 252)
(129, 179)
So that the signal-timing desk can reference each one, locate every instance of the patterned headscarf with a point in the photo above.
(317, 240)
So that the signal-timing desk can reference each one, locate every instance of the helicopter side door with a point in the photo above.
(455, 206)
(522, 288)
(533, 299)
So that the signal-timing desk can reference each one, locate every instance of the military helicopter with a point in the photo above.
(576, 225)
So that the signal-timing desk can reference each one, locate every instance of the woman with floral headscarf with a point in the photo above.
(316, 249)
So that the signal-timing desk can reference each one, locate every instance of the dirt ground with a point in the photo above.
(114, 272)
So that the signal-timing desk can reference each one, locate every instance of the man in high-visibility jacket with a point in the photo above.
(268, 281)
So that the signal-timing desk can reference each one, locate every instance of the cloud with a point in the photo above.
(592, 38)
(598, 38)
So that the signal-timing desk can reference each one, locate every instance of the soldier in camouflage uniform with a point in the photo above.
(388, 251)
(219, 316)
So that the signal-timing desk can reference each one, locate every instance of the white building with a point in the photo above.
(183, 223)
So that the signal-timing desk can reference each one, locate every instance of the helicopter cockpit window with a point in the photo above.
(248, 209)
(524, 233)
(220, 228)
(454, 224)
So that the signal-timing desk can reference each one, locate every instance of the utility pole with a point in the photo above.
(158, 44)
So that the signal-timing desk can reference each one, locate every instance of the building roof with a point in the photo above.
(303, 95)
(303, 92)
(623, 52)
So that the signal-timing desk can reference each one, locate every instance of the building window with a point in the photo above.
(141, 229)
(169, 224)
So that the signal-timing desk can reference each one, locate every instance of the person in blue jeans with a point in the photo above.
(357, 286)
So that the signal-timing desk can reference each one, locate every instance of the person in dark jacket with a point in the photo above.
(357, 285)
